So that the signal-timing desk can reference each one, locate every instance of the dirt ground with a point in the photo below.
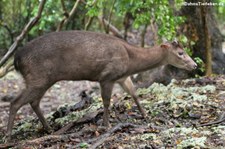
(59, 94)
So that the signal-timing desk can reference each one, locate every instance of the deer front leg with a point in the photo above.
(106, 91)
(127, 85)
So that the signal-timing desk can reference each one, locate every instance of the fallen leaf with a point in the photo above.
(97, 133)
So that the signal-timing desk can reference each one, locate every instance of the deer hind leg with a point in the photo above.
(127, 85)
(28, 95)
(36, 107)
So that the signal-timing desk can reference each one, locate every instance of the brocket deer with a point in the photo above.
(80, 55)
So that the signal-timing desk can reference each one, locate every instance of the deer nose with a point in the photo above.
(195, 66)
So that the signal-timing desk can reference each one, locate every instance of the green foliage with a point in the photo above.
(4, 43)
(13, 15)
(17, 13)
(94, 8)
(187, 47)
(50, 17)
(184, 41)
(201, 65)
(83, 145)
(167, 21)
(53, 14)
(220, 10)
(143, 12)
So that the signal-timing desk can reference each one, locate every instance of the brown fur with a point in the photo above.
(79, 55)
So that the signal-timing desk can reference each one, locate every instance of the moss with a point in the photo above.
(143, 91)
(175, 92)
(73, 116)
(147, 136)
(26, 126)
(182, 131)
(192, 142)
(219, 130)
(176, 96)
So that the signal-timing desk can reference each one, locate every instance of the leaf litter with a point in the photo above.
(180, 115)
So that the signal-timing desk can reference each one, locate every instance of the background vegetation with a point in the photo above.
(143, 23)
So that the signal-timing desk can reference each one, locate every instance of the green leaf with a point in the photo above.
(83, 145)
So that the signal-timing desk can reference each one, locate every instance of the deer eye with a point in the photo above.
(180, 53)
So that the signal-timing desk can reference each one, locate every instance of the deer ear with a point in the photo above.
(175, 43)
(165, 46)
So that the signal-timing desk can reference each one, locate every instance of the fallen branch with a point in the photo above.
(87, 118)
(23, 33)
(7, 145)
(101, 139)
(220, 120)
(45, 139)
(56, 137)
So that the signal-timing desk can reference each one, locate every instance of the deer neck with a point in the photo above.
(142, 59)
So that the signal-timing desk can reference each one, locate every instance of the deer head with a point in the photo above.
(177, 57)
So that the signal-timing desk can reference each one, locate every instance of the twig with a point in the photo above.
(220, 120)
(110, 16)
(101, 139)
(127, 23)
(8, 30)
(66, 15)
(8, 145)
(45, 139)
(143, 35)
(64, 9)
(87, 25)
(52, 138)
(154, 31)
(66, 19)
(23, 33)
(42, 140)
(112, 28)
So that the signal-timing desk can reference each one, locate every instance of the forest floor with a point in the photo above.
(183, 114)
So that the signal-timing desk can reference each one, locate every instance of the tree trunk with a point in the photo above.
(201, 27)
(208, 51)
